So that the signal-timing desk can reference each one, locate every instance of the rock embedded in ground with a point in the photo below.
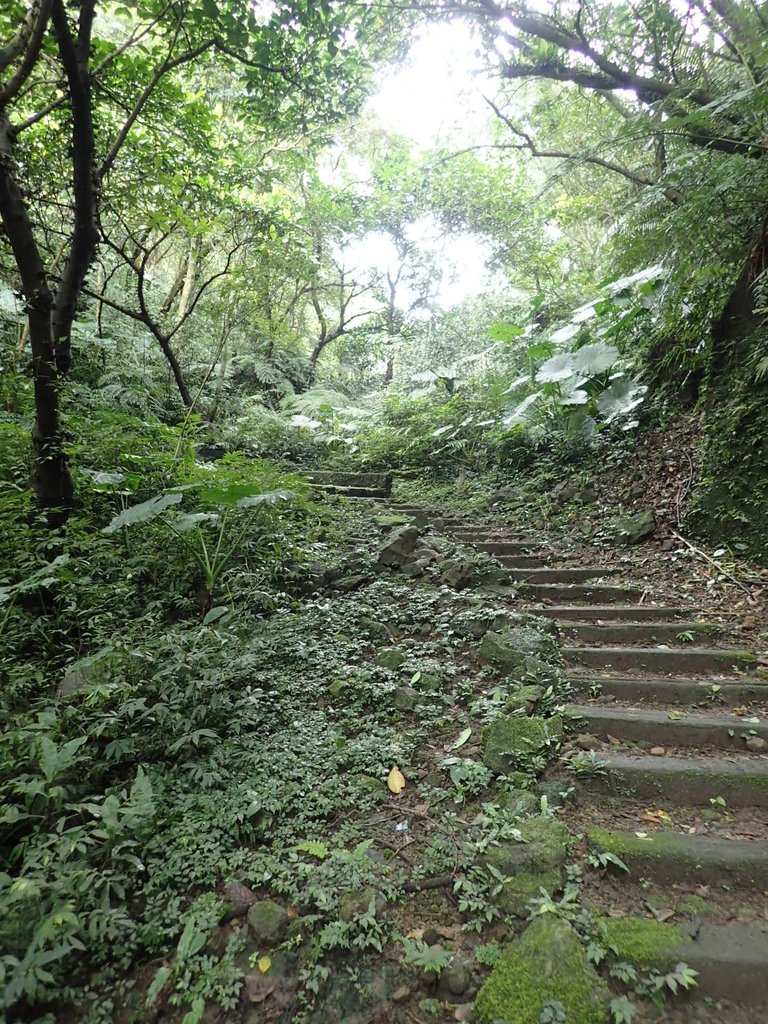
(457, 574)
(634, 528)
(511, 649)
(536, 861)
(405, 698)
(267, 923)
(756, 744)
(524, 698)
(519, 802)
(390, 657)
(399, 546)
(547, 964)
(586, 741)
(511, 739)
(456, 978)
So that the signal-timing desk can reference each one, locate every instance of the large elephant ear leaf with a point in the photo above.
(620, 398)
(267, 498)
(596, 358)
(144, 512)
(558, 368)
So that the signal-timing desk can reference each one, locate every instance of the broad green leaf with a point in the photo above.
(596, 358)
(462, 738)
(267, 498)
(144, 512)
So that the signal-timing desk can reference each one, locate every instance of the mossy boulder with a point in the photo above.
(536, 862)
(519, 802)
(509, 740)
(517, 649)
(632, 529)
(645, 942)
(267, 923)
(524, 698)
(390, 657)
(547, 964)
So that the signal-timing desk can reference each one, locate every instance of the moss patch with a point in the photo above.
(538, 862)
(547, 963)
(524, 698)
(644, 942)
(510, 649)
(508, 741)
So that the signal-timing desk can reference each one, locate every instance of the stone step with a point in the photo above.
(669, 857)
(596, 595)
(730, 960)
(688, 781)
(672, 690)
(728, 732)
(615, 612)
(675, 633)
(690, 661)
(574, 575)
(522, 561)
(505, 547)
(483, 534)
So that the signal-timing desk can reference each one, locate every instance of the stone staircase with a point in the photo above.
(652, 678)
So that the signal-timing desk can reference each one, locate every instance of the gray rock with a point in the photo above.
(267, 923)
(457, 574)
(405, 698)
(510, 649)
(519, 802)
(632, 529)
(456, 978)
(431, 937)
(586, 741)
(399, 546)
(558, 794)
(756, 744)
(536, 862)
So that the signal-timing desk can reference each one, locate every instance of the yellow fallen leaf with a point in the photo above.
(395, 780)
(265, 963)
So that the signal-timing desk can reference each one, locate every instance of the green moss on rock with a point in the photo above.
(524, 698)
(547, 963)
(510, 649)
(645, 942)
(509, 740)
(536, 862)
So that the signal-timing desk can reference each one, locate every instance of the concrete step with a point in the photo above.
(574, 575)
(730, 960)
(672, 690)
(598, 594)
(482, 535)
(506, 547)
(633, 633)
(688, 781)
(728, 732)
(522, 561)
(608, 612)
(669, 857)
(689, 661)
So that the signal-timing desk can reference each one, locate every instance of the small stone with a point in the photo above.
(633, 529)
(457, 574)
(756, 744)
(431, 937)
(456, 978)
(399, 546)
(658, 751)
(401, 994)
(586, 741)
(268, 923)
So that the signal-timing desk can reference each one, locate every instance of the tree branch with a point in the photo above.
(26, 43)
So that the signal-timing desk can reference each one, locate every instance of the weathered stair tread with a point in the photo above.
(647, 725)
(611, 612)
(569, 575)
(731, 960)
(560, 593)
(668, 857)
(685, 660)
(509, 547)
(636, 632)
(671, 689)
(742, 782)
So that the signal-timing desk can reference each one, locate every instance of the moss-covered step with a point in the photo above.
(670, 690)
(632, 633)
(666, 857)
(547, 964)
(577, 574)
(730, 958)
(685, 661)
(741, 782)
(562, 593)
(694, 729)
(610, 612)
